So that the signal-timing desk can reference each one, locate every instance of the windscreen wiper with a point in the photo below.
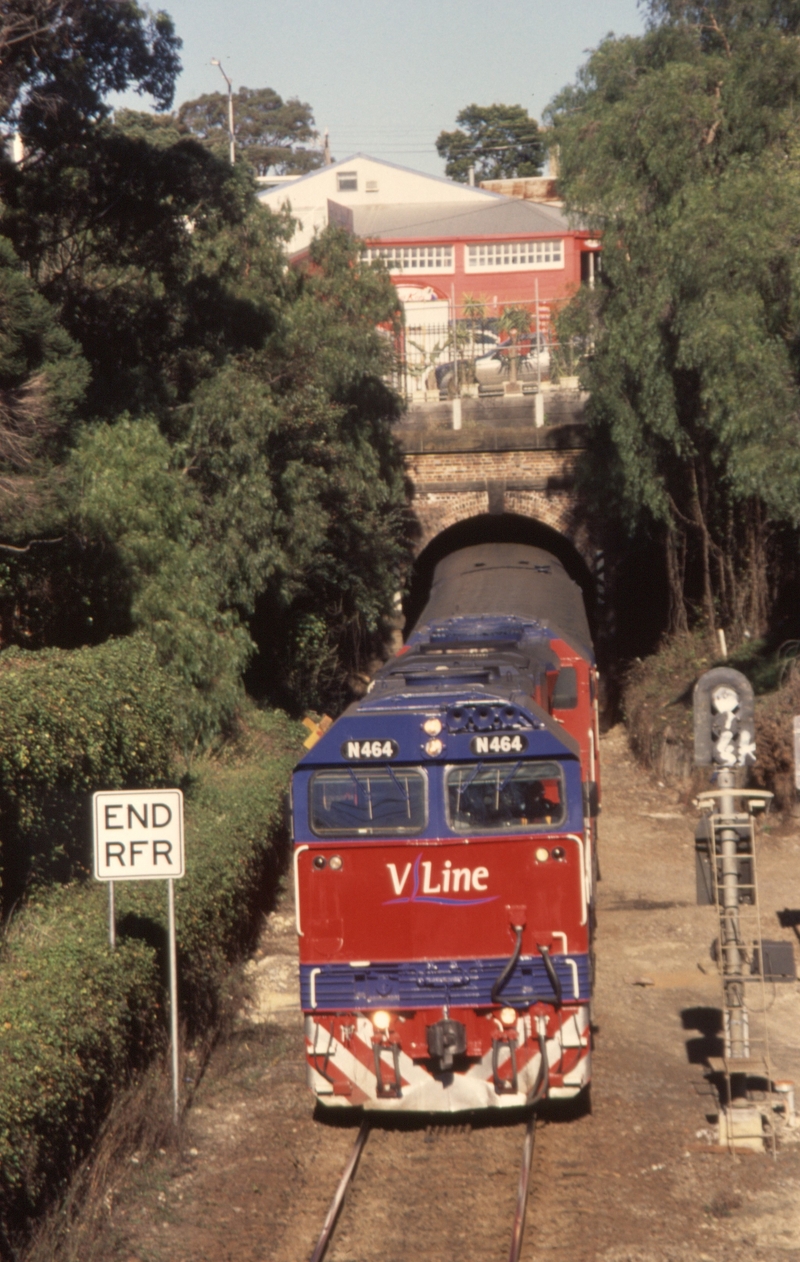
(510, 776)
(404, 791)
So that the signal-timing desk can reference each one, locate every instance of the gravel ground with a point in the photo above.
(638, 1179)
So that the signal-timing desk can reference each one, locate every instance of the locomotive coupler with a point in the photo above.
(391, 1090)
(446, 1039)
(505, 1086)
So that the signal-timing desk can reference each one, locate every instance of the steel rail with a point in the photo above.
(522, 1191)
(339, 1195)
(350, 1169)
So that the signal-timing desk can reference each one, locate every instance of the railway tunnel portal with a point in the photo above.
(499, 479)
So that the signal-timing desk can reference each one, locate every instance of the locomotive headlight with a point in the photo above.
(432, 727)
(508, 1016)
(381, 1020)
(335, 862)
(542, 855)
(558, 852)
(434, 747)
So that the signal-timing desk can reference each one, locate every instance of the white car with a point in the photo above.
(494, 367)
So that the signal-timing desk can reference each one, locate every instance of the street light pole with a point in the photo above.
(215, 61)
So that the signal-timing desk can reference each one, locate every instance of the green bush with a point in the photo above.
(72, 722)
(76, 1018)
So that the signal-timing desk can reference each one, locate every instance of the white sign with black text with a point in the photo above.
(138, 835)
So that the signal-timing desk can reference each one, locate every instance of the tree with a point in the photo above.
(270, 132)
(302, 484)
(515, 323)
(204, 434)
(59, 60)
(681, 147)
(43, 380)
(116, 235)
(500, 141)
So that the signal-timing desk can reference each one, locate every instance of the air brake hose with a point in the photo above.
(555, 980)
(510, 966)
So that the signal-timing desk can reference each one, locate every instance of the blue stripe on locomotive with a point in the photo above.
(429, 984)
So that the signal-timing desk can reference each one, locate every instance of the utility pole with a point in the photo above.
(215, 61)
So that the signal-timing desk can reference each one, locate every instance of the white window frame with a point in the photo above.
(515, 256)
(415, 260)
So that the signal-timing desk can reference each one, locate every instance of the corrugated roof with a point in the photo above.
(504, 217)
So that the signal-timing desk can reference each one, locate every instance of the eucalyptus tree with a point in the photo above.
(682, 148)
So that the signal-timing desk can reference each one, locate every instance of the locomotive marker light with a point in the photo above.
(138, 836)
(724, 728)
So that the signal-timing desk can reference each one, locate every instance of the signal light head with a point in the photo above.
(508, 1016)
(381, 1020)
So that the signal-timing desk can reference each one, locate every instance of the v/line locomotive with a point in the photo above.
(444, 839)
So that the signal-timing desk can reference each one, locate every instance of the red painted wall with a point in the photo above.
(498, 288)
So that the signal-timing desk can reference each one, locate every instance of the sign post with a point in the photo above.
(138, 836)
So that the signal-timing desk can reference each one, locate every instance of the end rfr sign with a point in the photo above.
(138, 835)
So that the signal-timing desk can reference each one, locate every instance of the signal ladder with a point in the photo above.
(727, 877)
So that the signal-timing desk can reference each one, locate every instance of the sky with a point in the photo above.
(386, 78)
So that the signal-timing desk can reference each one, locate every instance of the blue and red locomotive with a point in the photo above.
(444, 835)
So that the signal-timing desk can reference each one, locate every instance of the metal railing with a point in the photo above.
(465, 357)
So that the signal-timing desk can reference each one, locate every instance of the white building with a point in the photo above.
(326, 195)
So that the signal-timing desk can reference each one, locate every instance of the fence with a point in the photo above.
(479, 355)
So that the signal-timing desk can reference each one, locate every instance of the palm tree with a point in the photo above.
(514, 321)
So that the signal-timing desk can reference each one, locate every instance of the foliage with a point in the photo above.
(500, 141)
(657, 702)
(123, 493)
(115, 235)
(243, 461)
(302, 484)
(43, 378)
(76, 1018)
(59, 59)
(681, 147)
(269, 132)
(72, 723)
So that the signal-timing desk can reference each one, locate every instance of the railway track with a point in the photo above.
(349, 1173)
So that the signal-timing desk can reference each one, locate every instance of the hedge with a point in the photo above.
(77, 1018)
(74, 721)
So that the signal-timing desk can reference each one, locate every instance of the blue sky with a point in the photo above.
(386, 78)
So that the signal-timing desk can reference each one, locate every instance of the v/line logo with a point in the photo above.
(419, 883)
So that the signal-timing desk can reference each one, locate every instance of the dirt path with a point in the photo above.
(635, 1181)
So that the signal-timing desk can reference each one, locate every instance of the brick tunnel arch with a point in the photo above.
(496, 528)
